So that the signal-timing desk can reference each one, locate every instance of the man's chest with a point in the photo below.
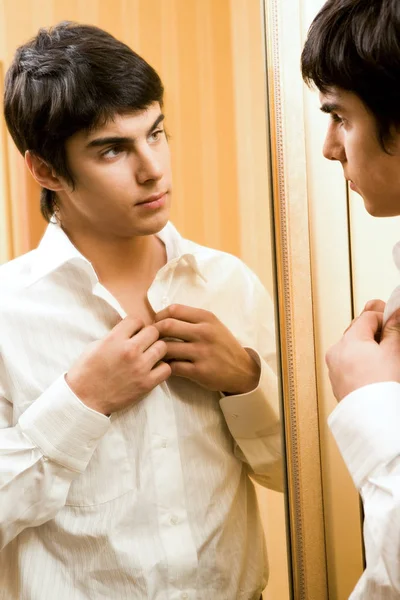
(48, 328)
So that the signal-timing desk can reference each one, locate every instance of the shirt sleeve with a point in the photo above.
(366, 426)
(254, 418)
(42, 454)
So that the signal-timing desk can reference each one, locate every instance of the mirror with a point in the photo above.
(327, 270)
(211, 58)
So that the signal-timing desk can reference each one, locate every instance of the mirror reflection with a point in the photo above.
(139, 408)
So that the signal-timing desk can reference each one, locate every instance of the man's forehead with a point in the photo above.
(331, 96)
(134, 120)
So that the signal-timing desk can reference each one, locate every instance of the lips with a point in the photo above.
(152, 198)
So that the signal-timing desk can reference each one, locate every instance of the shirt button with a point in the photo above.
(184, 596)
(173, 520)
(164, 443)
(165, 301)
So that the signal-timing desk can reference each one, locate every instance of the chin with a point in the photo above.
(379, 210)
(153, 224)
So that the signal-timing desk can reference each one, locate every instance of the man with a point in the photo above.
(352, 55)
(137, 391)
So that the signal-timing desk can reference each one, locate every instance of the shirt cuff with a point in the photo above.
(256, 413)
(365, 425)
(66, 430)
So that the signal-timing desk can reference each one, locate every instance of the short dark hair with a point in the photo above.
(355, 45)
(69, 78)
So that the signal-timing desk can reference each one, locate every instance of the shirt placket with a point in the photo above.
(173, 519)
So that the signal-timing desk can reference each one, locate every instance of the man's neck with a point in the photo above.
(116, 259)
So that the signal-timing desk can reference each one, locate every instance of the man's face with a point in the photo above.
(122, 176)
(352, 140)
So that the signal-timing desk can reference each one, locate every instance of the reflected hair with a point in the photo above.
(355, 45)
(68, 78)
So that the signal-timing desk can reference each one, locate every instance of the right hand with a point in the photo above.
(120, 369)
(366, 354)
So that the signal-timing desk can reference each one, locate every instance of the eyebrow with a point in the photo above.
(330, 107)
(116, 139)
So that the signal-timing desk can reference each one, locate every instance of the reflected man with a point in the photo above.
(352, 55)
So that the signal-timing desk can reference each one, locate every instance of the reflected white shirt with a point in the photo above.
(366, 427)
(156, 501)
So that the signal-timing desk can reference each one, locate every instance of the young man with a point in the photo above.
(137, 385)
(352, 55)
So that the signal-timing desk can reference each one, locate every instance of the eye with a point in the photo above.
(335, 118)
(155, 135)
(112, 152)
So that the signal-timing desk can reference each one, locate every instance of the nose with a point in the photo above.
(333, 148)
(149, 166)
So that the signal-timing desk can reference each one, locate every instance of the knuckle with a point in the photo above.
(139, 323)
(129, 352)
(201, 353)
(153, 330)
(207, 332)
(166, 370)
(134, 320)
(160, 347)
(167, 324)
(172, 310)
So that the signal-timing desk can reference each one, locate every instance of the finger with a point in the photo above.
(374, 305)
(183, 369)
(180, 351)
(172, 328)
(155, 353)
(127, 327)
(365, 327)
(160, 373)
(391, 331)
(183, 313)
(145, 338)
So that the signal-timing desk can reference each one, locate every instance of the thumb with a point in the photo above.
(391, 330)
(375, 305)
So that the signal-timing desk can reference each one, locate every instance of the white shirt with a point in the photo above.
(154, 502)
(366, 427)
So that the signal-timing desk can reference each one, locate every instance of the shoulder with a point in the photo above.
(16, 274)
(215, 260)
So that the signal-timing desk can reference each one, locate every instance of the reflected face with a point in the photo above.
(122, 176)
(352, 140)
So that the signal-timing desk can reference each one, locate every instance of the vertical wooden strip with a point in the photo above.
(110, 17)
(6, 240)
(192, 135)
(253, 160)
(209, 165)
(171, 75)
(226, 133)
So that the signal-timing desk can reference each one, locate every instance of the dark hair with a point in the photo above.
(69, 78)
(355, 45)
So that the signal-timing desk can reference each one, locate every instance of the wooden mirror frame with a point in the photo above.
(294, 300)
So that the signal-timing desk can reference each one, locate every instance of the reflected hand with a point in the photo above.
(365, 354)
(208, 354)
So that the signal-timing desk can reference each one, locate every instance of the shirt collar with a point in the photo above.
(56, 249)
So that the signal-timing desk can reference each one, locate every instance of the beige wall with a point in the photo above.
(210, 56)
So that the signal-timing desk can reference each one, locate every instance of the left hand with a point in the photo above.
(208, 354)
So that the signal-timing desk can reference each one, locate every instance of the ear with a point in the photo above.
(43, 173)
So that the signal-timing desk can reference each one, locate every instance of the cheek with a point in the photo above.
(103, 179)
